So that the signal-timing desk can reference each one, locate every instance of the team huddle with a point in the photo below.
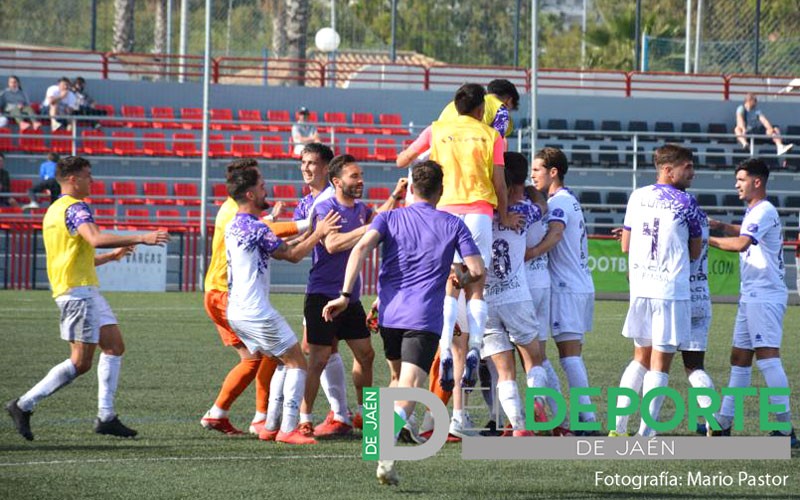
(477, 269)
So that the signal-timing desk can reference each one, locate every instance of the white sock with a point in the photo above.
(652, 380)
(333, 383)
(508, 394)
(537, 377)
(775, 376)
(58, 376)
(740, 377)
(458, 414)
(275, 404)
(477, 313)
(258, 417)
(699, 378)
(107, 381)
(632, 378)
(400, 411)
(450, 312)
(217, 412)
(577, 377)
(554, 383)
(293, 388)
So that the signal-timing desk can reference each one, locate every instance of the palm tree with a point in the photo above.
(123, 26)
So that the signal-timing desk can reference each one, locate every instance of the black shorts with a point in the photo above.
(410, 346)
(349, 325)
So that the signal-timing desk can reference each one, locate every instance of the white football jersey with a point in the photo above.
(761, 266)
(569, 259)
(698, 280)
(249, 244)
(536, 269)
(661, 219)
(506, 277)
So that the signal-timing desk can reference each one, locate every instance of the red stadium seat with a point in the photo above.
(165, 116)
(93, 142)
(110, 112)
(385, 150)
(287, 192)
(19, 189)
(378, 194)
(254, 117)
(363, 123)
(184, 145)
(195, 115)
(219, 193)
(279, 120)
(242, 146)
(193, 215)
(272, 147)
(168, 215)
(62, 142)
(98, 194)
(126, 193)
(357, 146)
(32, 141)
(105, 215)
(137, 213)
(216, 146)
(338, 121)
(392, 124)
(156, 194)
(136, 112)
(124, 144)
(6, 143)
(186, 193)
(155, 145)
(222, 119)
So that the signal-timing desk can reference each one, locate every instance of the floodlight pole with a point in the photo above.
(687, 63)
(183, 34)
(204, 146)
(534, 70)
(393, 51)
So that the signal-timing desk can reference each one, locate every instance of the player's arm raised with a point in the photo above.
(98, 239)
(420, 144)
(397, 196)
(355, 263)
(325, 226)
(555, 231)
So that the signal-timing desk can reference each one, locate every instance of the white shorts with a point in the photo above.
(571, 313)
(271, 336)
(509, 325)
(83, 312)
(661, 323)
(480, 226)
(541, 307)
(758, 324)
(698, 335)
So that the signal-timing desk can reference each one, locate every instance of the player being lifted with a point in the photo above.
(571, 286)
(471, 155)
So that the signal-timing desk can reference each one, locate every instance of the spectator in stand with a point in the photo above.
(751, 121)
(303, 133)
(47, 182)
(5, 185)
(86, 105)
(60, 102)
(14, 103)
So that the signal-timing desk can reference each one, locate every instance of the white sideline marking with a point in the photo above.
(173, 459)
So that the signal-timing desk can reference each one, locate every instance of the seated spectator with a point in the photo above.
(47, 182)
(86, 105)
(5, 185)
(751, 121)
(14, 103)
(60, 102)
(303, 133)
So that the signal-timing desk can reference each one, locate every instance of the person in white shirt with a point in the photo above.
(250, 245)
(59, 100)
(662, 232)
(571, 285)
(758, 330)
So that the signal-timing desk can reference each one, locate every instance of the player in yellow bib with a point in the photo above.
(70, 239)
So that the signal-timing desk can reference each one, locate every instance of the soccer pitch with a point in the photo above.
(172, 370)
